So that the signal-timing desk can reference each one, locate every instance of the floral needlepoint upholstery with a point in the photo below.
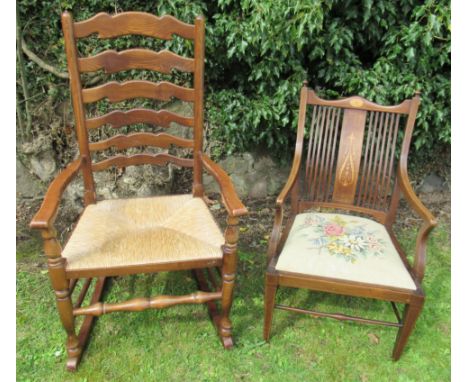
(343, 247)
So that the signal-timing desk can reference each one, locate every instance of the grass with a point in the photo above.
(180, 343)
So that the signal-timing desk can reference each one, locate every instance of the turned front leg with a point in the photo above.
(60, 284)
(231, 236)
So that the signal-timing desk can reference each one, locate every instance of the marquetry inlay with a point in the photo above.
(347, 172)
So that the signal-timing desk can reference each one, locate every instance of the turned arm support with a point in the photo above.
(231, 201)
(430, 222)
(45, 217)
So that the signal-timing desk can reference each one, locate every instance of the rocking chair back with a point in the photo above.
(111, 61)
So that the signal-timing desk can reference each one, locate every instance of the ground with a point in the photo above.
(181, 344)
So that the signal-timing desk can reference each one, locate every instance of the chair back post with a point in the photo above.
(295, 191)
(78, 109)
(198, 105)
(415, 101)
(402, 165)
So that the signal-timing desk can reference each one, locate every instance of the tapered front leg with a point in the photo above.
(410, 315)
(60, 284)
(228, 276)
(271, 286)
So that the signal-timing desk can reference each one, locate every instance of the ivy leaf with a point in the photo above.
(410, 54)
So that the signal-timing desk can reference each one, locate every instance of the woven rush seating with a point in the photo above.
(124, 232)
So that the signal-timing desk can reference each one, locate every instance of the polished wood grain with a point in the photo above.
(88, 322)
(198, 106)
(143, 303)
(349, 156)
(78, 107)
(60, 285)
(122, 142)
(119, 118)
(338, 316)
(228, 271)
(146, 268)
(357, 102)
(65, 280)
(83, 291)
(298, 150)
(231, 201)
(160, 159)
(112, 61)
(45, 217)
(380, 216)
(116, 92)
(140, 23)
(352, 146)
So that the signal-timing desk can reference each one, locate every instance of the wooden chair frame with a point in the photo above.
(64, 281)
(413, 299)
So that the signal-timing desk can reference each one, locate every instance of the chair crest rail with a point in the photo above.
(357, 102)
(107, 26)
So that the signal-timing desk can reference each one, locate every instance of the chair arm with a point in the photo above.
(275, 233)
(45, 217)
(231, 201)
(278, 223)
(429, 222)
(413, 200)
(291, 179)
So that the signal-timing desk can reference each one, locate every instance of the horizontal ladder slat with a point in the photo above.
(140, 159)
(141, 23)
(112, 61)
(121, 141)
(119, 91)
(139, 304)
(120, 118)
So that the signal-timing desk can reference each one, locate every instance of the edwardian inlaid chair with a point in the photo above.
(349, 166)
(142, 235)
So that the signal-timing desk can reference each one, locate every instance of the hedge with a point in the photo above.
(259, 52)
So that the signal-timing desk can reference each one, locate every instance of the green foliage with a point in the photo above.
(259, 52)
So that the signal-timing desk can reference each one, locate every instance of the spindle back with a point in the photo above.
(349, 159)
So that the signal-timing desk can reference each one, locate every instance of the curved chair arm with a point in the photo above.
(292, 177)
(231, 201)
(278, 223)
(44, 218)
(275, 233)
(429, 222)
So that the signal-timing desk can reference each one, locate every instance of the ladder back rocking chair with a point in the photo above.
(141, 235)
(349, 163)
